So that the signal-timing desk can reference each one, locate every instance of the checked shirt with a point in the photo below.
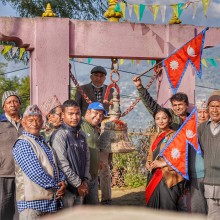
(28, 161)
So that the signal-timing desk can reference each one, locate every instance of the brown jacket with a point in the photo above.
(91, 94)
(171, 176)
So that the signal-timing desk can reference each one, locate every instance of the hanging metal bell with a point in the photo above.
(114, 132)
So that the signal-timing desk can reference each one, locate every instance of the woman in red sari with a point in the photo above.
(164, 184)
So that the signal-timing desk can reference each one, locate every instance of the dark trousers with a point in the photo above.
(7, 198)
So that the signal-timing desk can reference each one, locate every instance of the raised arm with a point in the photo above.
(145, 96)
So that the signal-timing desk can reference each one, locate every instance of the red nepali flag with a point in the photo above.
(175, 152)
(176, 64)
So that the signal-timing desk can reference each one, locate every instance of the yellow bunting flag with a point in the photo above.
(136, 11)
(6, 49)
(123, 8)
(121, 61)
(155, 11)
(175, 10)
(205, 4)
(204, 63)
(21, 52)
(148, 61)
(132, 61)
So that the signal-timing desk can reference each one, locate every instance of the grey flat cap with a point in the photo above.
(99, 69)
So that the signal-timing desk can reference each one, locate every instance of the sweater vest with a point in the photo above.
(211, 146)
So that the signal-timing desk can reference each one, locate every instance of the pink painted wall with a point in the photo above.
(50, 60)
(55, 39)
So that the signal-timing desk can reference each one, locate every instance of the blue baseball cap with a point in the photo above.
(97, 106)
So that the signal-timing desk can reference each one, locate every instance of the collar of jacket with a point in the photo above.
(3, 118)
(72, 129)
(84, 120)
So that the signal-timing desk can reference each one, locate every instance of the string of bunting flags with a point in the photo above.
(139, 9)
(14, 52)
(206, 62)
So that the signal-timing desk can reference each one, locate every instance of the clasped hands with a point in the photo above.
(61, 191)
(155, 164)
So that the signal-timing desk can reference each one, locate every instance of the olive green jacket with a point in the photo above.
(92, 138)
(152, 106)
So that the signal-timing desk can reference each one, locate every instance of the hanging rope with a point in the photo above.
(78, 86)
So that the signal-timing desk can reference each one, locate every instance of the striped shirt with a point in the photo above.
(29, 163)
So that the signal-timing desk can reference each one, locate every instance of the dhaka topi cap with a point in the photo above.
(99, 69)
(97, 106)
(215, 96)
(201, 104)
(7, 94)
(51, 103)
(32, 110)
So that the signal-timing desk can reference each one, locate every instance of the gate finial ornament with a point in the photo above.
(49, 12)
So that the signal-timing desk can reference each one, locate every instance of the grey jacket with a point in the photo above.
(8, 136)
(72, 152)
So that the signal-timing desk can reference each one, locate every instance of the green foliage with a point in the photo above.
(133, 164)
(77, 9)
(132, 175)
(24, 92)
(21, 86)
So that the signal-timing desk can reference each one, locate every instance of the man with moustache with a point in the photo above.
(96, 90)
(40, 184)
(91, 120)
(209, 138)
(70, 145)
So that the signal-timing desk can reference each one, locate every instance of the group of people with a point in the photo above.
(165, 187)
(51, 156)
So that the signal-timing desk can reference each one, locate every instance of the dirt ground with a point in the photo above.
(127, 196)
